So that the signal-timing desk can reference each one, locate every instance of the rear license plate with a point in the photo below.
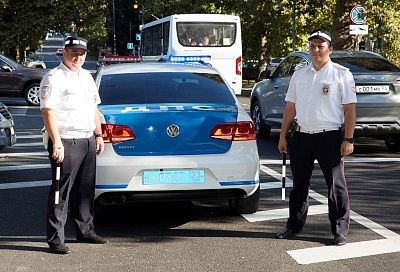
(382, 89)
(151, 177)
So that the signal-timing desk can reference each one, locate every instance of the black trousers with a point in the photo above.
(325, 148)
(77, 188)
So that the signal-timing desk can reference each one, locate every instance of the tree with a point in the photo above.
(269, 28)
(25, 23)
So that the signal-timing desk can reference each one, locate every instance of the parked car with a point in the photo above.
(174, 132)
(250, 71)
(7, 134)
(274, 63)
(269, 68)
(18, 80)
(378, 94)
(34, 64)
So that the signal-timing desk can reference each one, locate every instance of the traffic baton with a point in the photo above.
(57, 192)
(283, 175)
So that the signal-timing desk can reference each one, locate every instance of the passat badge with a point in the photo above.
(172, 130)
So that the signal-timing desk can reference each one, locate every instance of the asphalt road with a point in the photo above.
(49, 57)
(202, 236)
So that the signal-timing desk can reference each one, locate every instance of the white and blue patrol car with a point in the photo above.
(174, 132)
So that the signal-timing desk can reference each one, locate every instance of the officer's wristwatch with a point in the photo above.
(350, 140)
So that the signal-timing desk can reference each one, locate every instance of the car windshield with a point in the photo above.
(164, 87)
(366, 64)
(11, 62)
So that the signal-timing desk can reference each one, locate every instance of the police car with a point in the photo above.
(174, 132)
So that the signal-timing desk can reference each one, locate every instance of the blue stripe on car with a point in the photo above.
(239, 183)
(111, 186)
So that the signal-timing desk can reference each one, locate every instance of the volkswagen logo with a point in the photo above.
(172, 130)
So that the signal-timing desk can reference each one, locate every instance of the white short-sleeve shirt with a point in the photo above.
(319, 96)
(74, 98)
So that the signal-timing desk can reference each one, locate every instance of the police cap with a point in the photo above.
(321, 34)
(75, 42)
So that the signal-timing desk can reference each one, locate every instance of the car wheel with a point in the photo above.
(262, 131)
(32, 94)
(393, 143)
(246, 205)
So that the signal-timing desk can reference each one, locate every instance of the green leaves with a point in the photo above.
(269, 28)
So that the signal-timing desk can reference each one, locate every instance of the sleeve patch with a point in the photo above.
(45, 92)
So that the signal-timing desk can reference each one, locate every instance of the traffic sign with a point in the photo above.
(129, 45)
(358, 15)
(358, 30)
(138, 36)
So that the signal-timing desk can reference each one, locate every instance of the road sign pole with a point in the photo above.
(357, 43)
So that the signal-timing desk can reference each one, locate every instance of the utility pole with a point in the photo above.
(115, 37)
(294, 25)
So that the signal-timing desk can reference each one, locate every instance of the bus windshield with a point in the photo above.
(206, 34)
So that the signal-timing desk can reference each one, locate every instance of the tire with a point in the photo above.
(262, 130)
(246, 205)
(393, 143)
(32, 94)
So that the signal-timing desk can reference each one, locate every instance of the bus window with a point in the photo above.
(206, 34)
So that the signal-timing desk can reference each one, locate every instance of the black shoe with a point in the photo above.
(339, 240)
(93, 239)
(286, 234)
(59, 249)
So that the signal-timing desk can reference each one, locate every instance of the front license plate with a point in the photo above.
(382, 89)
(151, 177)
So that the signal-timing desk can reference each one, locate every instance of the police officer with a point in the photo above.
(321, 97)
(68, 101)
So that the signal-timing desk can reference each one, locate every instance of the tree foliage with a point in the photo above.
(24, 24)
(269, 28)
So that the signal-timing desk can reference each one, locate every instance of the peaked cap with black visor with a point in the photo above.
(75, 42)
(322, 35)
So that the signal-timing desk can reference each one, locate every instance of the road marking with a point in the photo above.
(24, 167)
(23, 154)
(28, 144)
(381, 230)
(282, 213)
(350, 250)
(25, 184)
(331, 253)
(28, 136)
(346, 160)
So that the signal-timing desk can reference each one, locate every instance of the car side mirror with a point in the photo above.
(6, 68)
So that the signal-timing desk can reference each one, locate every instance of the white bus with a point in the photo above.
(212, 38)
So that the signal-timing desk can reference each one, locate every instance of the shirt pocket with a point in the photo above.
(72, 100)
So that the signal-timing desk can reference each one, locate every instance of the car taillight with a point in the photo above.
(239, 66)
(113, 133)
(239, 131)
